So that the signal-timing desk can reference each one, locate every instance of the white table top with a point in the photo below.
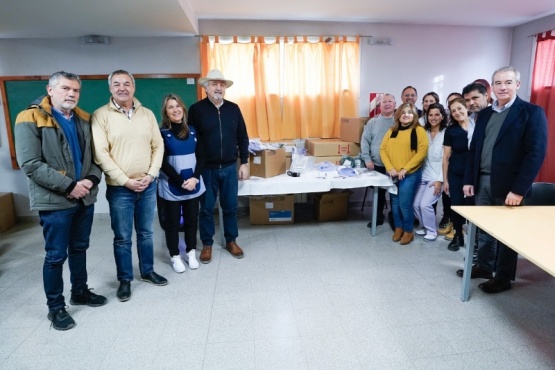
(526, 229)
(313, 182)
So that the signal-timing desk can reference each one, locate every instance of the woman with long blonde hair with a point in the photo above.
(403, 151)
(180, 184)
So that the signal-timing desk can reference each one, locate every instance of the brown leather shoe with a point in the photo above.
(445, 230)
(234, 249)
(450, 235)
(206, 254)
(407, 238)
(397, 234)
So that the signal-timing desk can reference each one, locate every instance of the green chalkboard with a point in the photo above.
(19, 92)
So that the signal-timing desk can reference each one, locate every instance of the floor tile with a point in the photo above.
(306, 296)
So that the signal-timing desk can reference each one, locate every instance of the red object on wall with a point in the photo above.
(374, 108)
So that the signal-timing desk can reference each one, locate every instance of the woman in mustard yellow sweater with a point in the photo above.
(403, 151)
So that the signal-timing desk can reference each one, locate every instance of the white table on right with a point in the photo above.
(526, 230)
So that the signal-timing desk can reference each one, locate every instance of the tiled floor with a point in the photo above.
(308, 296)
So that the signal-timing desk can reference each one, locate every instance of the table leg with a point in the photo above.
(465, 288)
(374, 209)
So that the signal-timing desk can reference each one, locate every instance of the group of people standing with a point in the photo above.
(63, 151)
(479, 153)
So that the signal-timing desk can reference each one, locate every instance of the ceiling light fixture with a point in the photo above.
(94, 39)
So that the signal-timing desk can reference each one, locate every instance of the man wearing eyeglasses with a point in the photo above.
(409, 96)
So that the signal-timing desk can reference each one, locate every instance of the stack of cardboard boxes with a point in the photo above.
(270, 209)
(279, 209)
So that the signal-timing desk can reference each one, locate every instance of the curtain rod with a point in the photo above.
(287, 35)
(536, 34)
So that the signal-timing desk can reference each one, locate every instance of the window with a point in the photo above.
(288, 87)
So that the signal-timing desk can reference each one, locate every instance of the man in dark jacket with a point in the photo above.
(54, 150)
(222, 130)
(507, 150)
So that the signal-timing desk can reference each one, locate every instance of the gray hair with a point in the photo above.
(120, 72)
(507, 69)
(388, 94)
(56, 76)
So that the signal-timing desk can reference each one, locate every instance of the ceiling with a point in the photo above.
(144, 18)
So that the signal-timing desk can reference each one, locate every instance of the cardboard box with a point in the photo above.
(267, 163)
(272, 209)
(335, 159)
(351, 128)
(288, 144)
(332, 206)
(7, 213)
(332, 147)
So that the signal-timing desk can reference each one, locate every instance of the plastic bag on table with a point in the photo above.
(300, 162)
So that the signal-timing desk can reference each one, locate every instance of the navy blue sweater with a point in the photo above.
(222, 131)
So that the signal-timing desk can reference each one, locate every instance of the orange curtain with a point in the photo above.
(288, 88)
(543, 94)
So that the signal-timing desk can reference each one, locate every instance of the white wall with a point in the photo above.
(419, 56)
(522, 49)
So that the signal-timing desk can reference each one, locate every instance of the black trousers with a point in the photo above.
(457, 199)
(170, 213)
(381, 193)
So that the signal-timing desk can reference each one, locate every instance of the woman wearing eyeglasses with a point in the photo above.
(403, 151)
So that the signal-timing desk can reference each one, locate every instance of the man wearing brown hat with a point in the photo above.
(222, 130)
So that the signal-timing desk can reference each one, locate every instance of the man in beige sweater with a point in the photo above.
(129, 149)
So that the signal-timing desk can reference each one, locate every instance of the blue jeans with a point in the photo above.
(126, 207)
(401, 203)
(66, 234)
(225, 182)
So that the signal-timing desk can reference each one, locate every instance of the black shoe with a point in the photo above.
(87, 298)
(61, 319)
(155, 279)
(379, 221)
(124, 291)
(456, 243)
(477, 273)
(495, 285)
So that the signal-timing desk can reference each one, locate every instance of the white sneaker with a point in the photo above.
(177, 264)
(420, 232)
(191, 258)
(430, 238)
